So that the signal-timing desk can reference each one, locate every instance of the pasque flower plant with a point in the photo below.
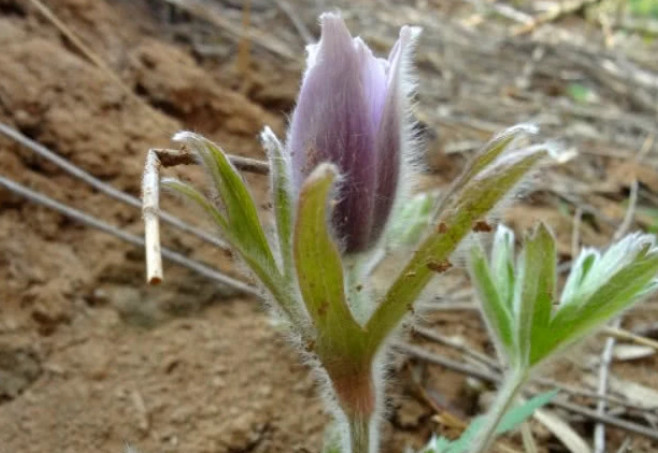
(336, 183)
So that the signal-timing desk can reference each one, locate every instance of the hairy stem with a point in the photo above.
(506, 395)
(355, 389)
(359, 433)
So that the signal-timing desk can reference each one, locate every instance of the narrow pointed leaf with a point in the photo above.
(239, 220)
(241, 213)
(535, 291)
(485, 157)
(196, 197)
(261, 269)
(493, 149)
(579, 270)
(282, 194)
(319, 268)
(497, 314)
(473, 202)
(502, 265)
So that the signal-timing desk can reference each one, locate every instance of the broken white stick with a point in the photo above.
(150, 211)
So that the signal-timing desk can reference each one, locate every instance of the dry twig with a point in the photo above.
(150, 211)
(606, 355)
(602, 389)
(151, 199)
(174, 157)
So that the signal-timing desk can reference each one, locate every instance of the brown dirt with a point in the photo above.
(92, 358)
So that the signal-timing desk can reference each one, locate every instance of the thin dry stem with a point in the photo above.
(630, 213)
(150, 210)
(623, 334)
(151, 199)
(575, 237)
(82, 47)
(174, 157)
(602, 389)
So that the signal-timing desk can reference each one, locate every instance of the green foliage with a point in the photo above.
(496, 311)
(535, 290)
(411, 220)
(488, 179)
(320, 270)
(236, 216)
(616, 293)
(512, 419)
(598, 288)
(282, 197)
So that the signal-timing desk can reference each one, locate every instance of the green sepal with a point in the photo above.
(320, 271)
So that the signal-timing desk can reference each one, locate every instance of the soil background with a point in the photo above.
(92, 359)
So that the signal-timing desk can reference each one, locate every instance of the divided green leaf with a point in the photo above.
(497, 313)
(533, 298)
(575, 320)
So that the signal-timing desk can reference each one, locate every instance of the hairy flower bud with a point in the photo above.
(351, 112)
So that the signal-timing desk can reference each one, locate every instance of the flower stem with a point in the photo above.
(360, 434)
(506, 395)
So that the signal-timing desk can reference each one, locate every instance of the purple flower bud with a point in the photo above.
(351, 112)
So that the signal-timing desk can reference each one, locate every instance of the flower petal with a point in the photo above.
(391, 132)
(333, 122)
